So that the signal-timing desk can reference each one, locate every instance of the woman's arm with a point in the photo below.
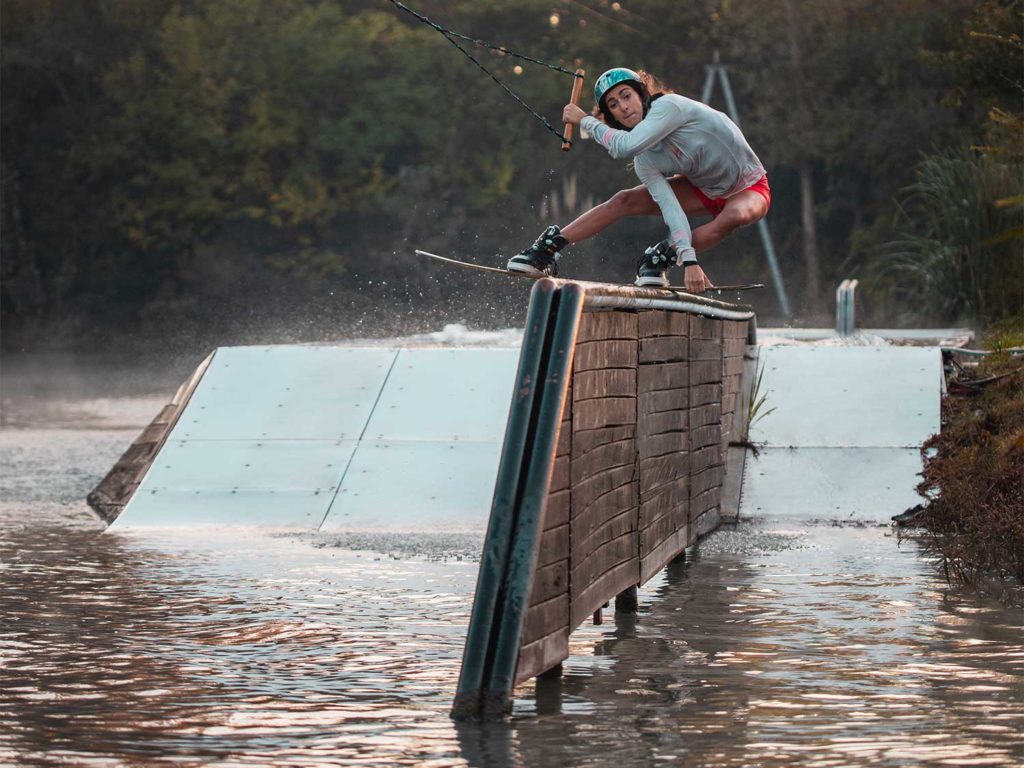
(663, 118)
(678, 225)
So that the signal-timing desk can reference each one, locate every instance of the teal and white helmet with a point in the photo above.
(613, 77)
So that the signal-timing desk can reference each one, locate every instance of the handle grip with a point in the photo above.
(577, 88)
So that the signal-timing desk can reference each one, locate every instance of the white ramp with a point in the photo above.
(334, 437)
(844, 436)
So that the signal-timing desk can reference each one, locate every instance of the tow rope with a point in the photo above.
(450, 35)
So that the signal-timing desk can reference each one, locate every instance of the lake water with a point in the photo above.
(779, 641)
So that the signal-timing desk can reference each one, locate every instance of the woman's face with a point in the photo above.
(625, 105)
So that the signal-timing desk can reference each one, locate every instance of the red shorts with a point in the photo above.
(716, 205)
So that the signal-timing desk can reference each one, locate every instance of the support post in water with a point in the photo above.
(577, 88)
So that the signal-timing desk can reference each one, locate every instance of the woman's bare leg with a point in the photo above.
(630, 202)
(741, 209)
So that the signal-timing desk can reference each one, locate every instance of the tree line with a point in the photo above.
(174, 164)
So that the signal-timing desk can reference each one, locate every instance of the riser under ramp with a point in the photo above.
(333, 438)
(844, 434)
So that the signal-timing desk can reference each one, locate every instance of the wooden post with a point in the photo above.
(626, 601)
(577, 88)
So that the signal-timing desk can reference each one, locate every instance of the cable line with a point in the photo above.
(450, 36)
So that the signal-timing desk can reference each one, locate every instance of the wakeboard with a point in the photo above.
(511, 273)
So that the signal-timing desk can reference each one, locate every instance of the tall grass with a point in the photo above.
(959, 257)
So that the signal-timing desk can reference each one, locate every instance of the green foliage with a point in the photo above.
(955, 262)
(161, 160)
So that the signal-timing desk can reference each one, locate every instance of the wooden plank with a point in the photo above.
(554, 545)
(556, 510)
(660, 423)
(732, 366)
(541, 655)
(704, 372)
(705, 415)
(620, 501)
(607, 382)
(662, 323)
(664, 349)
(615, 353)
(564, 444)
(709, 478)
(604, 412)
(610, 526)
(544, 618)
(701, 503)
(660, 445)
(656, 530)
(613, 324)
(585, 440)
(705, 349)
(593, 488)
(662, 376)
(707, 522)
(666, 400)
(735, 329)
(550, 581)
(702, 394)
(702, 437)
(560, 474)
(705, 327)
(660, 555)
(666, 495)
(603, 458)
(703, 458)
(600, 589)
(657, 471)
(734, 346)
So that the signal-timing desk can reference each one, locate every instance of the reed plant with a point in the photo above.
(958, 258)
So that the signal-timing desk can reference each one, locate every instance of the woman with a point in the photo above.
(691, 160)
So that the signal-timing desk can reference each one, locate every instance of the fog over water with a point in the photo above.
(779, 641)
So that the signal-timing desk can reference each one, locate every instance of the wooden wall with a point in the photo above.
(639, 467)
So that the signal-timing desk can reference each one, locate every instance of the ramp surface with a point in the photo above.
(334, 437)
(844, 436)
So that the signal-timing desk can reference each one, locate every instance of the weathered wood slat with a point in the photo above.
(660, 554)
(541, 655)
(621, 501)
(662, 376)
(666, 400)
(659, 445)
(556, 511)
(617, 578)
(588, 491)
(701, 437)
(554, 545)
(610, 382)
(661, 423)
(664, 349)
(704, 458)
(611, 526)
(550, 581)
(586, 440)
(604, 412)
(544, 618)
(594, 355)
(705, 349)
(597, 326)
(603, 458)
(560, 474)
(705, 327)
(663, 324)
(709, 478)
(656, 471)
(705, 372)
(705, 415)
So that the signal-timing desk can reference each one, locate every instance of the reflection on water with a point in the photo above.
(778, 641)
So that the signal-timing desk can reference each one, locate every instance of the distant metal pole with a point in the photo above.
(762, 225)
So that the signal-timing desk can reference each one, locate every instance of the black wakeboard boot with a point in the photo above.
(654, 264)
(541, 258)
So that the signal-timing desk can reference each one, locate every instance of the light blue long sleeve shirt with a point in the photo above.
(682, 136)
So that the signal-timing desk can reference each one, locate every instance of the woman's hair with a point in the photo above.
(650, 89)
